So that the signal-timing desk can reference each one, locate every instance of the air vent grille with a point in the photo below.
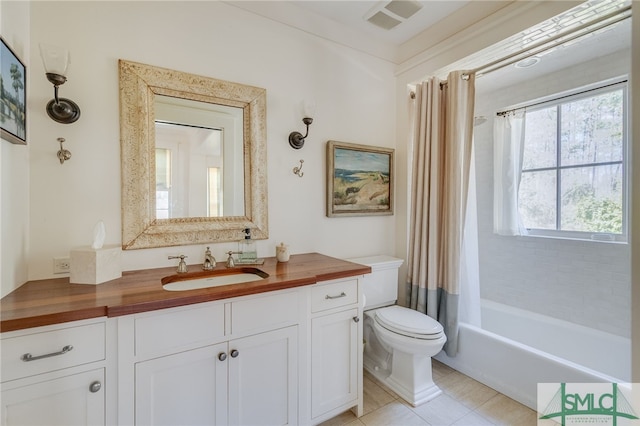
(389, 14)
(383, 20)
(403, 8)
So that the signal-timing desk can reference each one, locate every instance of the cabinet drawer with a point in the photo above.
(333, 295)
(45, 351)
(180, 328)
(264, 313)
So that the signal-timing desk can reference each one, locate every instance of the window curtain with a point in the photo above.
(442, 146)
(508, 150)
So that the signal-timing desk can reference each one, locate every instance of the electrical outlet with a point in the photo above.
(61, 265)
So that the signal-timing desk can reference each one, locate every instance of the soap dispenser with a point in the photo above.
(247, 248)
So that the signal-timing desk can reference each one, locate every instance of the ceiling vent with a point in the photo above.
(389, 14)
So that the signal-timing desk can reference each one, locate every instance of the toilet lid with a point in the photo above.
(408, 322)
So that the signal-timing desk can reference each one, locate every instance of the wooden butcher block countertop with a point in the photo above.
(53, 301)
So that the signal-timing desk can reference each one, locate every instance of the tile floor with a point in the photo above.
(464, 402)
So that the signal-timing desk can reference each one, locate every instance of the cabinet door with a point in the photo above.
(263, 379)
(188, 388)
(334, 361)
(77, 399)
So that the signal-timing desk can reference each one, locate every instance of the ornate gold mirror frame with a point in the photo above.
(139, 84)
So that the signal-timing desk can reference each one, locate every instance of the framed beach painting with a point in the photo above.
(359, 180)
(13, 109)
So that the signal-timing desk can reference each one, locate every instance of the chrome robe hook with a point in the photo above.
(298, 170)
(63, 154)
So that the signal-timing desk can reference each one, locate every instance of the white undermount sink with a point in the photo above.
(198, 280)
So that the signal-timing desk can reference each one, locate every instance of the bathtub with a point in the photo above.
(517, 349)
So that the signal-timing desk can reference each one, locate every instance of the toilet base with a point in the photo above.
(410, 377)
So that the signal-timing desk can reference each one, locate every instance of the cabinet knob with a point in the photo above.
(356, 319)
(95, 387)
(222, 356)
(234, 353)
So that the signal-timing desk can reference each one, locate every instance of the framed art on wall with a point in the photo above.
(359, 180)
(13, 109)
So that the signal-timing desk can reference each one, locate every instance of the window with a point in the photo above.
(214, 192)
(573, 168)
(163, 183)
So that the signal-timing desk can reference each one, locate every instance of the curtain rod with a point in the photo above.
(509, 111)
(574, 33)
(464, 76)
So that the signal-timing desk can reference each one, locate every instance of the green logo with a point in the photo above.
(584, 405)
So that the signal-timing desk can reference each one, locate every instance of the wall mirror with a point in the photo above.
(193, 158)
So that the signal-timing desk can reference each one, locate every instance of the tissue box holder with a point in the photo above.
(95, 266)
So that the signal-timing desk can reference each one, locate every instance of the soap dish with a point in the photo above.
(249, 261)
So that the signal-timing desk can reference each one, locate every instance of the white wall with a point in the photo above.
(585, 282)
(354, 94)
(14, 165)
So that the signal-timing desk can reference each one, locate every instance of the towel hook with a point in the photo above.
(63, 154)
(298, 170)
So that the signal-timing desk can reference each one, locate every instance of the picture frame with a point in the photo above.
(13, 95)
(360, 179)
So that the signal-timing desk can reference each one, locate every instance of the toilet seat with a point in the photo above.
(410, 323)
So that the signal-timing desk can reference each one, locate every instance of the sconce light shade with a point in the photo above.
(56, 61)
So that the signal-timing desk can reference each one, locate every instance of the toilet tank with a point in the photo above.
(381, 285)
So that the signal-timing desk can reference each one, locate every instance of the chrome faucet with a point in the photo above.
(182, 265)
(230, 262)
(209, 261)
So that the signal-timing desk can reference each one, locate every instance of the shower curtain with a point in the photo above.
(508, 149)
(442, 148)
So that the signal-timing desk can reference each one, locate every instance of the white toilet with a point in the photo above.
(399, 342)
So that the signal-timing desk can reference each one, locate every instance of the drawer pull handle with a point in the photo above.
(28, 357)
(222, 356)
(356, 319)
(234, 353)
(343, 294)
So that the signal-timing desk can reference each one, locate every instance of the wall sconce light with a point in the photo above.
(56, 60)
(296, 140)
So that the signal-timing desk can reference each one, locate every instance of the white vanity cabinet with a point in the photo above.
(263, 379)
(336, 348)
(184, 388)
(233, 361)
(280, 357)
(54, 375)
